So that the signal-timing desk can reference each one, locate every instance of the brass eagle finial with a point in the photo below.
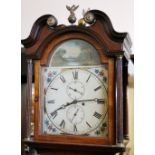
(72, 17)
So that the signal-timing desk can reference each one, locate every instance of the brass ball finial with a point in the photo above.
(81, 22)
(72, 19)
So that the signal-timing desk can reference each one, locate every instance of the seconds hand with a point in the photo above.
(75, 90)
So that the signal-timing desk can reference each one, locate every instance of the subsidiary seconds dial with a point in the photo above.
(75, 89)
(76, 102)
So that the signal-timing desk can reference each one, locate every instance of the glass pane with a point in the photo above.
(75, 105)
(74, 52)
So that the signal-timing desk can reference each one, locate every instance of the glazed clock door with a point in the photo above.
(74, 92)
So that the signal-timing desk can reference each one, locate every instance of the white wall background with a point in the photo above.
(119, 11)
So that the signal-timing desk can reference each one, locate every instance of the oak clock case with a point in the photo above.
(75, 97)
(80, 79)
(74, 92)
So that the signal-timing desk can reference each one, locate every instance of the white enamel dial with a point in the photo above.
(75, 102)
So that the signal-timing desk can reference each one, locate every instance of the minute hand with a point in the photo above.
(89, 100)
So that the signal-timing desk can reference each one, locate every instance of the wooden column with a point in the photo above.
(29, 99)
(119, 100)
(125, 100)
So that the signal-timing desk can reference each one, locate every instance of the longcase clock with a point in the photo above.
(80, 79)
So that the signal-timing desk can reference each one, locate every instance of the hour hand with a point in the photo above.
(65, 105)
(55, 111)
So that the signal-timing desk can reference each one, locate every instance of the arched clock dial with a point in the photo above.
(76, 102)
